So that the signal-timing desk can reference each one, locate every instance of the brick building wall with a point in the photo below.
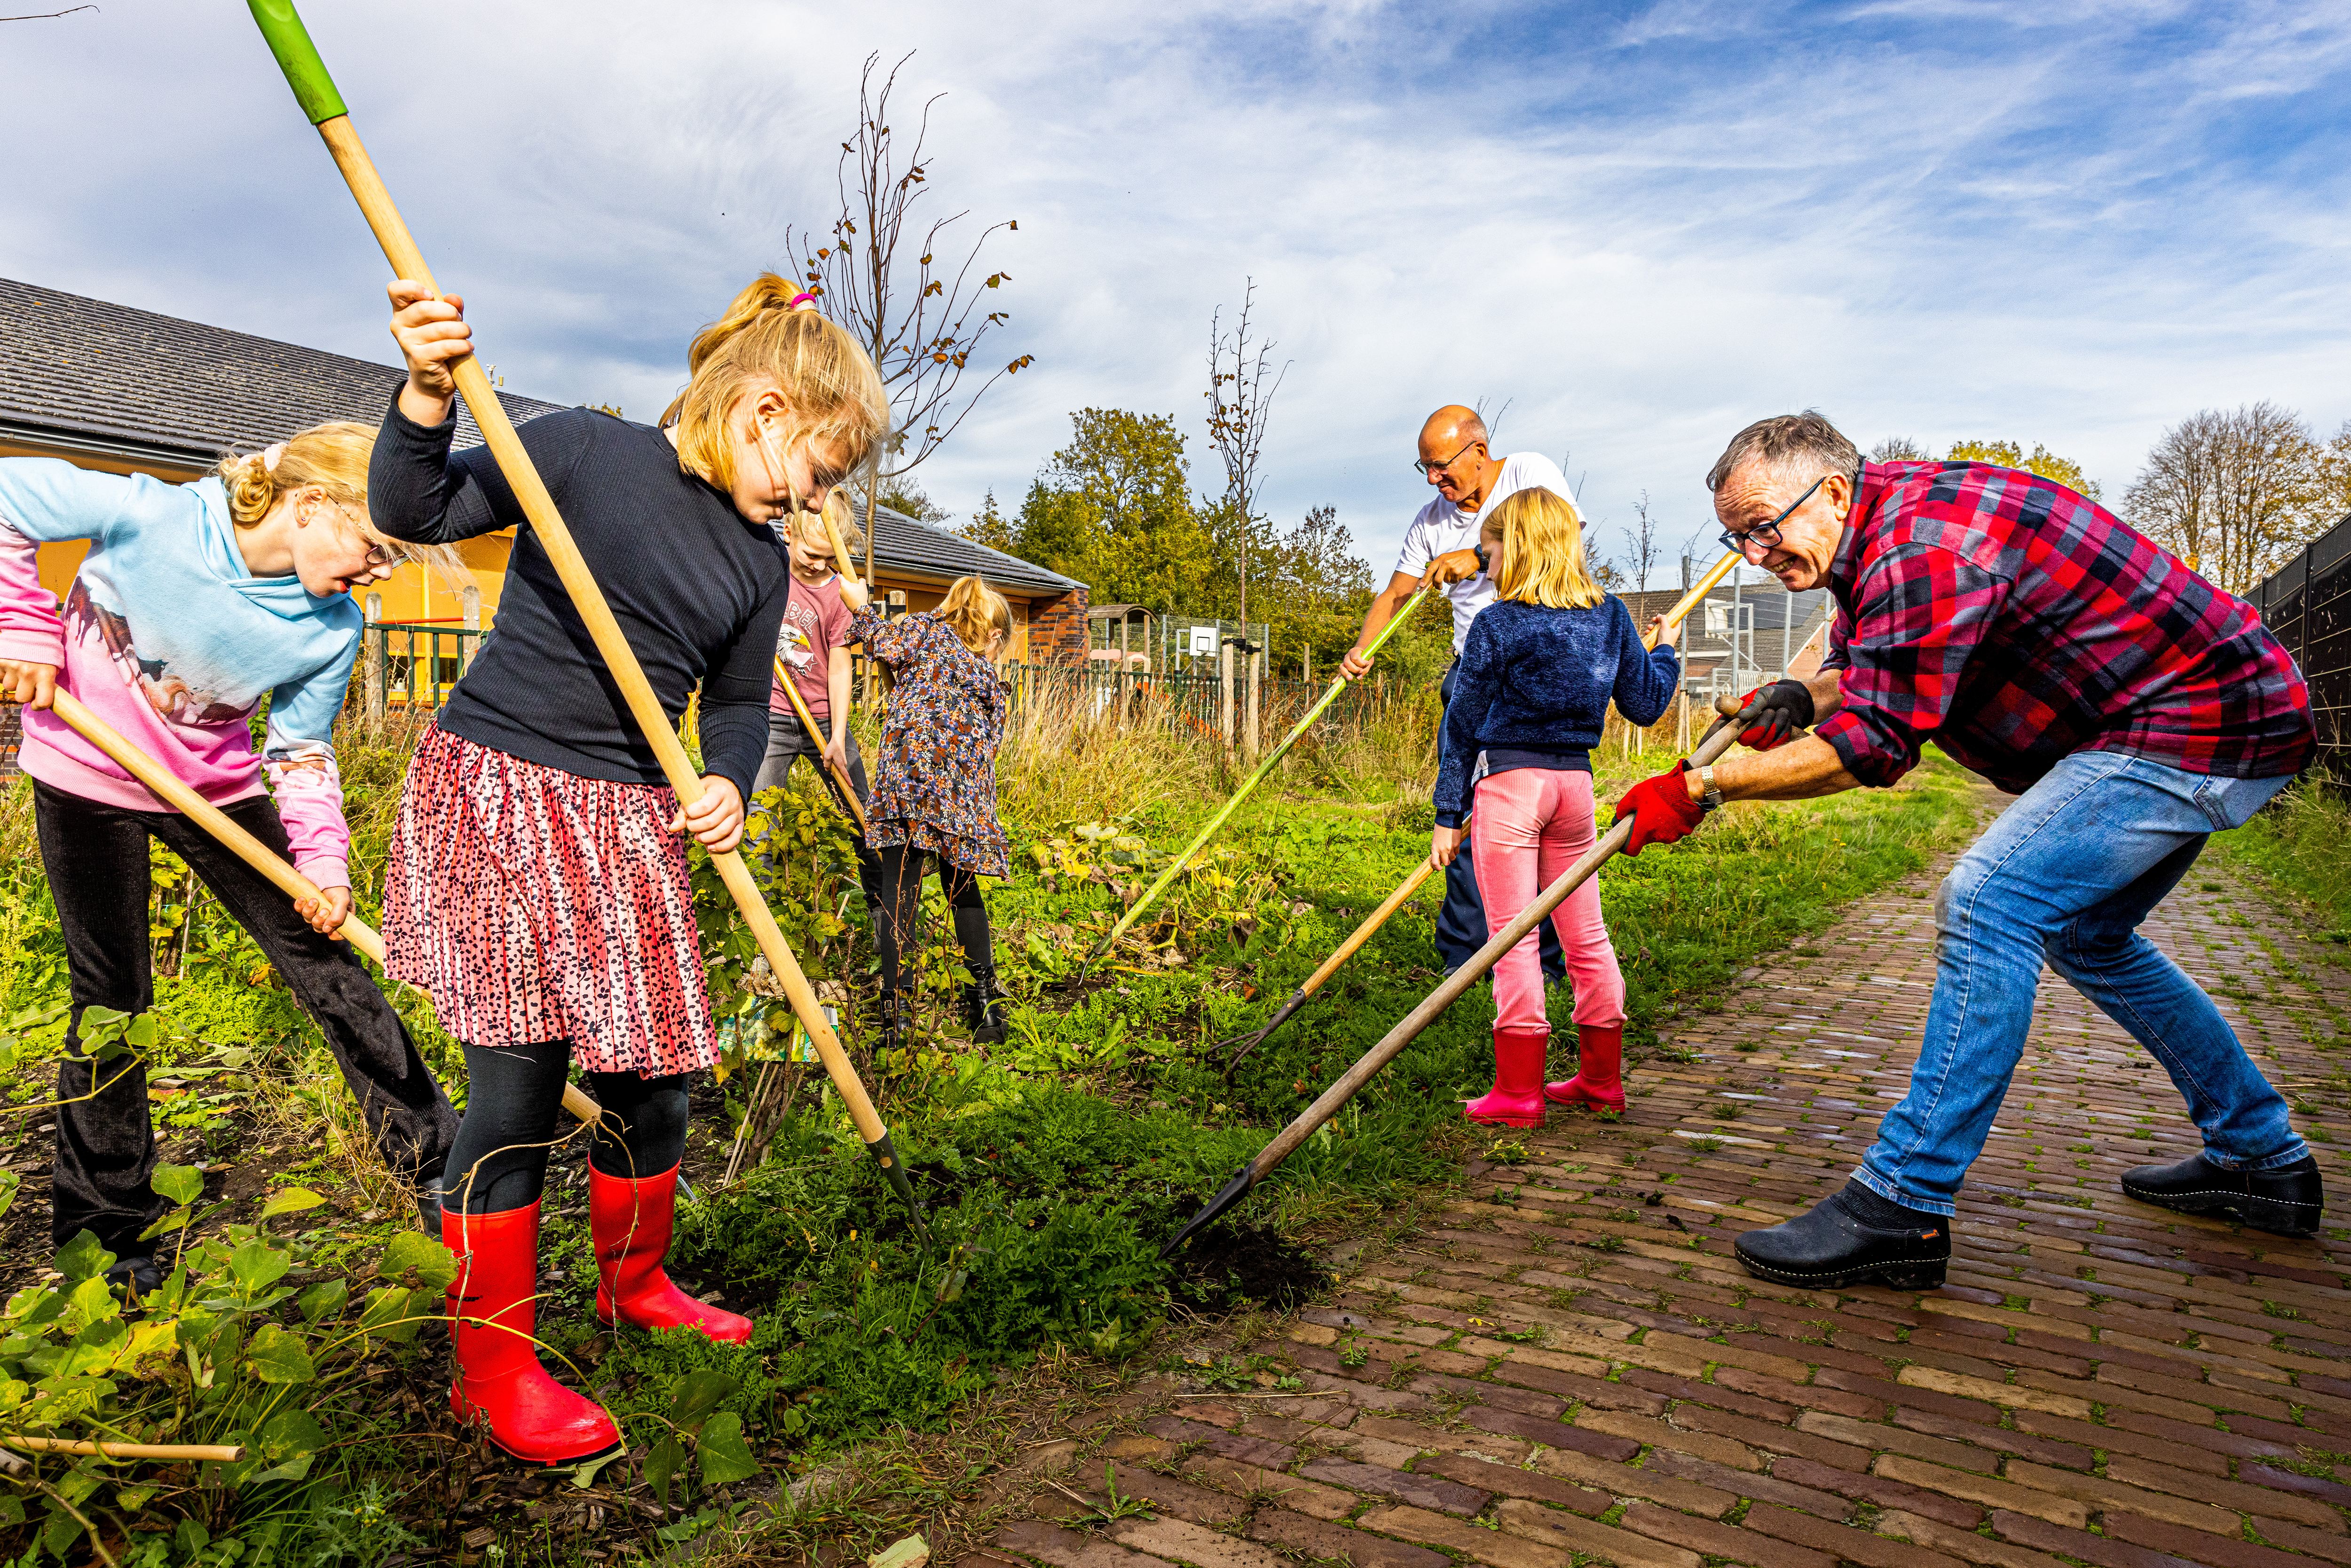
(1057, 630)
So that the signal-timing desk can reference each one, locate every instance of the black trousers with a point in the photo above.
(898, 913)
(96, 856)
(514, 1100)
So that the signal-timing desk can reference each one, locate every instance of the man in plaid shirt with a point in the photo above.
(2132, 706)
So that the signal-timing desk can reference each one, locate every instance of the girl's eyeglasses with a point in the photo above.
(1767, 535)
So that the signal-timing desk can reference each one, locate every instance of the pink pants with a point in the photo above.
(1529, 826)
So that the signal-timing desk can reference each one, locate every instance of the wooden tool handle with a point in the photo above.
(845, 790)
(539, 507)
(1407, 1030)
(228, 1453)
(1700, 589)
(169, 790)
(177, 795)
(1362, 933)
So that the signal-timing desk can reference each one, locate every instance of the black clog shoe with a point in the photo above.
(1833, 1246)
(2284, 1202)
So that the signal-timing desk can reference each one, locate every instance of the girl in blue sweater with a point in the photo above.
(1529, 701)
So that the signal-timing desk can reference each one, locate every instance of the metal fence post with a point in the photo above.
(372, 639)
(472, 602)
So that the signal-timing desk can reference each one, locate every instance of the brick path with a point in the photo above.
(1573, 1367)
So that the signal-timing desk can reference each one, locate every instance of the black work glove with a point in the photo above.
(1787, 708)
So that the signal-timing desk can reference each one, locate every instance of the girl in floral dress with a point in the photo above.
(934, 787)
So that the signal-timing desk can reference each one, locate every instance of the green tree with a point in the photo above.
(904, 494)
(2010, 454)
(1113, 508)
(990, 526)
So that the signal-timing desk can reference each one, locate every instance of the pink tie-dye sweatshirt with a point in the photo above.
(166, 636)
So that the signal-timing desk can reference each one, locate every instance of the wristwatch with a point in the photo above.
(1709, 798)
(1484, 562)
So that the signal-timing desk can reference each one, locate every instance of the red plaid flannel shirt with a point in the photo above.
(2012, 622)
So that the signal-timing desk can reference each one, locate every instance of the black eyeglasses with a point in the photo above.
(1767, 534)
(1429, 470)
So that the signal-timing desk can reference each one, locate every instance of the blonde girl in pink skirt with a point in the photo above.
(538, 881)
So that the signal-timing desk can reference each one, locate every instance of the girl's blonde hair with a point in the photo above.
(332, 459)
(822, 373)
(972, 610)
(1542, 551)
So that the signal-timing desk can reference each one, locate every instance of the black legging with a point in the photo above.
(897, 915)
(513, 1100)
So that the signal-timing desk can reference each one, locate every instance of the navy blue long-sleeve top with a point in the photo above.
(699, 592)
(1532, 691)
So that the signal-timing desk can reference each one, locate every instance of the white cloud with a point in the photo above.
(1640, 228)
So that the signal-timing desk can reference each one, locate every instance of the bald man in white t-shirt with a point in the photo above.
(1441, 547)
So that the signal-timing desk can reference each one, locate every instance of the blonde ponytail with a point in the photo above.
(331, 459)
(972, 611)
(823, 374)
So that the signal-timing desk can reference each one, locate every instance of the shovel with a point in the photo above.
(1297, 999)
(314, 90)
(1720, 738)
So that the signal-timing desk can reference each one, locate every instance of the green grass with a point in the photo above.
(2296, 843)
(1055, 1164)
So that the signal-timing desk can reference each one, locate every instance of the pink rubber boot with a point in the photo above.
(1599, 1081)
(1517, 1100)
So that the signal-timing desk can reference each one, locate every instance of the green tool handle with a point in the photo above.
(1297, 731)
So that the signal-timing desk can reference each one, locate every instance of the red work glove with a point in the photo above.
(1787, 708)
(1659, 809)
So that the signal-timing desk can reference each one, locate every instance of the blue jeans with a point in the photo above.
(2067, 874)
(1461, 918)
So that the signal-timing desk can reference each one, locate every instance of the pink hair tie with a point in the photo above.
(801, 302)
(270, 456)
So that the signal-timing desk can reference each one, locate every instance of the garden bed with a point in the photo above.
(1053, 1165)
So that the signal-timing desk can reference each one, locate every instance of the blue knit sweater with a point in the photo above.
(1532, 691)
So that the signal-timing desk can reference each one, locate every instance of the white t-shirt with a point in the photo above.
(1443, 528)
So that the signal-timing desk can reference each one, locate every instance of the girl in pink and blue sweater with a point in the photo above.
(195, 604)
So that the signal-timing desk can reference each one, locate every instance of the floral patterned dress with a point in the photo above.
(935, 785)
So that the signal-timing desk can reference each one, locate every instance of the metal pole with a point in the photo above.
(372, 651)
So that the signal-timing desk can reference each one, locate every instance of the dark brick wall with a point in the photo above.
(1057, 630)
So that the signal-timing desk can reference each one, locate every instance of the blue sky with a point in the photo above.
(1640, 226)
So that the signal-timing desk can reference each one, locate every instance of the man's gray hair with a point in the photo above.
(1786, 442)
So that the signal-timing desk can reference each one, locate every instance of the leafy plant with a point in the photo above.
(233, 1349)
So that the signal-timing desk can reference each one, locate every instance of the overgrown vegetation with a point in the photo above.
(2297, 842)
(1052, 1165)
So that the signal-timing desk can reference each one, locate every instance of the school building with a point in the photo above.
(104, 386)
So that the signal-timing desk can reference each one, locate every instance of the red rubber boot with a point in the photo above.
(1599, 1080)
(493, 1311)
(1517, 1100)
(630, 1222)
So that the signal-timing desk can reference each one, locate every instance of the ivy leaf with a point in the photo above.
(721, 1452)
(82, 1258)
(293, 1200)
(9, 1182)
(140, 1032)
(182, 1183)
(699, 1393)
(288, 1442)
(278, 1356)
(387, 1305)
(325, 1297)
(434, 1264)
(258, 1265)
(661, 1465)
